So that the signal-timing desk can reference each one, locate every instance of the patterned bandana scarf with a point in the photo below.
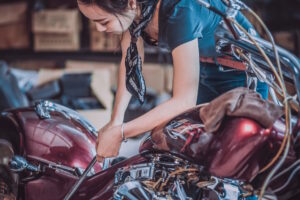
(135, 82)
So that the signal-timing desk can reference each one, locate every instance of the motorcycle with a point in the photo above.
(48, 150)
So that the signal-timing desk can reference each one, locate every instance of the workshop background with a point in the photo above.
(50, 51)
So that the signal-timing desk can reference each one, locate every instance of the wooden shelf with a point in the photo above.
(25, 54)
(85, 54)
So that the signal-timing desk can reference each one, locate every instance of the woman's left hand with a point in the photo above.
(108, 143)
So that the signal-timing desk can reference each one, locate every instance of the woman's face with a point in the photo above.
(108, 22)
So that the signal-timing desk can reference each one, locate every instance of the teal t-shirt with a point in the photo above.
(181, 21)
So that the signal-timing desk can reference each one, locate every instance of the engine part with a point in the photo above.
(132, 190)
(169, 177)
(19, 164)
(137, 172)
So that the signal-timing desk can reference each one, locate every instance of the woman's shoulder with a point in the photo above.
(169, 7)
(177, 22)
(181, 21)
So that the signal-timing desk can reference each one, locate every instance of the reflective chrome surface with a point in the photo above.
(44, 109)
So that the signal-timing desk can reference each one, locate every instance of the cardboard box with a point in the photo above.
(105, 42)
(154, 74)
(101, 89)
(56, 42)
(56, 21)
(56, 30)
(112, 67)
(14, 33)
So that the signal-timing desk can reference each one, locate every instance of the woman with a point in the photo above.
(183, 26)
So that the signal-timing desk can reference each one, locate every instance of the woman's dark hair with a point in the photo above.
(112, 6)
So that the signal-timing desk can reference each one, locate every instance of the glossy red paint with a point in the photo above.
(56, 184)
(52, 185)
(59, 139)
(234, 152)
(101, 185)
(238, 150)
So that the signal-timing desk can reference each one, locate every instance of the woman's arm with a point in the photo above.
(122, 95)
(185, 90)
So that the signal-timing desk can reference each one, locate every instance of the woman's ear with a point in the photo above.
(132, 4)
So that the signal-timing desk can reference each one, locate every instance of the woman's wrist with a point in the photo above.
(115, 122)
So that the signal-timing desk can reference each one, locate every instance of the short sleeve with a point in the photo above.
(180, 25)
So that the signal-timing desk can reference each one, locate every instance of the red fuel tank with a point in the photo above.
(239, 149)
(54, 133)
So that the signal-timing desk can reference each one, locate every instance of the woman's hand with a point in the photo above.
(108, 142)
(103, 129)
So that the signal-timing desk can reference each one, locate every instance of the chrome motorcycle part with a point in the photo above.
(251, 82)
(180, 191)
(153, 180)
(226, 189)
(58, 167)
(19, 164)
(134, 190)
(274, 97)
(159, 179)
(45, 108)
(136, 172)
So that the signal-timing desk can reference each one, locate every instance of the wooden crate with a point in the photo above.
(14, 33)
(56, 41)
(56, 30)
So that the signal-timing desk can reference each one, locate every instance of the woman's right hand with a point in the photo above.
(107, 126)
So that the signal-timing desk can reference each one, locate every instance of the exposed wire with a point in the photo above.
(270, 38)
(288, 181)
(286, 141)
(286, 99)
(286, 170)
(280, 162)
(175, 173)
